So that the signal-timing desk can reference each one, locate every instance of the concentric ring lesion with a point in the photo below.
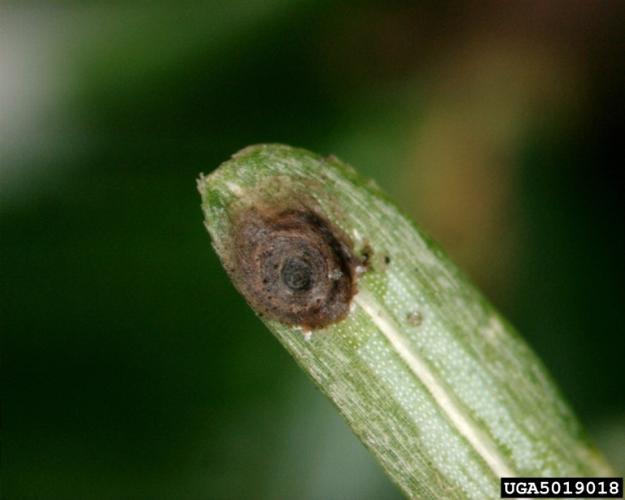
(293, 265)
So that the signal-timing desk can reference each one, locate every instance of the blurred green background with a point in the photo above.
(133, 370)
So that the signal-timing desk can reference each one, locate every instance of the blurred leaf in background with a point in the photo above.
(134, 370)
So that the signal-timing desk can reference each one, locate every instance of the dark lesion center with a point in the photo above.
(297, 274)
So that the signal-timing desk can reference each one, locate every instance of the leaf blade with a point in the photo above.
(448, 403)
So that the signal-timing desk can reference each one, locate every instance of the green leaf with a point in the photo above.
(428, 375)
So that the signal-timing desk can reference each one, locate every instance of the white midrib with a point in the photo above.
(480, 441)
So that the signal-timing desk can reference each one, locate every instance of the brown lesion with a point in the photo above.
(292, 264)
(414, 318)
(372, 260)
(367, 255)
